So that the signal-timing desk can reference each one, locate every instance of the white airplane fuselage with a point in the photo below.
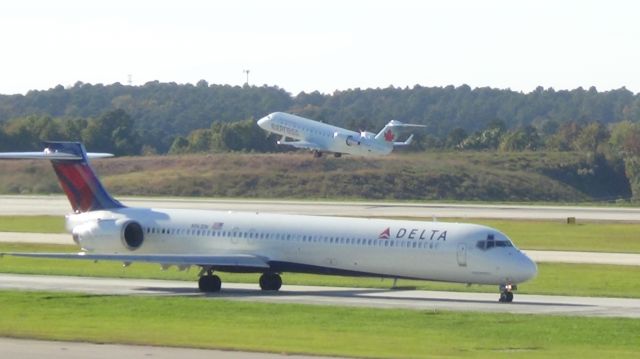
(437, 251)
(323, 137)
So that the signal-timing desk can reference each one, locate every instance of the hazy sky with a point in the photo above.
(322, 45)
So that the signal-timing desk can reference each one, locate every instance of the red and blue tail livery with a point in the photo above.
(78, 180)
(76, 177)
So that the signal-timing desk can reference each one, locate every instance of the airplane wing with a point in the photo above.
(231, 260)
(302, 144)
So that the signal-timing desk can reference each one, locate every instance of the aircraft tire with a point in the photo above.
(503, 297)
(209, 283)
(270, 281)
(506, 297)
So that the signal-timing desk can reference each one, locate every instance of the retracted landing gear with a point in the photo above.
(270, 281)
(506, 293)
(209, 282)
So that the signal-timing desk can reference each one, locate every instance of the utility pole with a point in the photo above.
(246, 72)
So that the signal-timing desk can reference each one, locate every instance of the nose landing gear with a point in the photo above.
(506, 293)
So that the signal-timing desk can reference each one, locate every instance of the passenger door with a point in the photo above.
(461, 255)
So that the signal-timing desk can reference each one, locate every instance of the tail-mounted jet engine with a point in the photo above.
(109, 234)
(348, 139)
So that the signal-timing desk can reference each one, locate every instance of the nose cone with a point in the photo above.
(526, 269)
(264, 122)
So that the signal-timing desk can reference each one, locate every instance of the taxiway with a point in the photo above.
(58, 205)
(357, 297)
(28, 349)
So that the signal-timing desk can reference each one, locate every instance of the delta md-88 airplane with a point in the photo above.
(272, 244)
(321, 137)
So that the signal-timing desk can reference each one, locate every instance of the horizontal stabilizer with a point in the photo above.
(234, 260)
(405, 143)
(49, 155)
(400, 124)
(392, 130)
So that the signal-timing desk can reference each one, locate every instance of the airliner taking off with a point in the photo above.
(272, 244)
(321, 137)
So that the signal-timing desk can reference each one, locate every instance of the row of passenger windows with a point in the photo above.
(293, 237)
(310, 130)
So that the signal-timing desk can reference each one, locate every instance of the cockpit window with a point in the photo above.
(491, 242)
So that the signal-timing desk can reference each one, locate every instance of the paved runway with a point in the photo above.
(28, 349)
(359, 297)
(36, 238)
(631, 259)
(58, 205)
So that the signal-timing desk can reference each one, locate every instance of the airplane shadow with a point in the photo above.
(364, 293)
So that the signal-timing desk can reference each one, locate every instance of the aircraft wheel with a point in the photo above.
(270, 281)
(506, 297)
(209, 283)
(503, 297)
(337, 155)
(509, 297)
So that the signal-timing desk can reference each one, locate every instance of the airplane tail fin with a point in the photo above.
(391, 132)
(78, 180)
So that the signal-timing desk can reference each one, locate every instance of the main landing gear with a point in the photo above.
(210, 283)
(270, 281)
(506, 293)
(317, 154)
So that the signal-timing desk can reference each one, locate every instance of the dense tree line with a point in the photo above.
(162, 111)
(172, 118)
(112, 132)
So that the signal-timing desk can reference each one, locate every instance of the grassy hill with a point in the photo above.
(468, 176)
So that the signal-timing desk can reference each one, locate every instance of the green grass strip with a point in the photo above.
(288, 328)
(32, 224)
(557, 235)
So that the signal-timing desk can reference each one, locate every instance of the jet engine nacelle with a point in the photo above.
(109, 234)
(348, 139)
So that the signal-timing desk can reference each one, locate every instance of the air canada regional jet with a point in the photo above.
(272, 244)
(321, 137)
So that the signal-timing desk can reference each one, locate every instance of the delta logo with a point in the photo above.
(415, 233)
